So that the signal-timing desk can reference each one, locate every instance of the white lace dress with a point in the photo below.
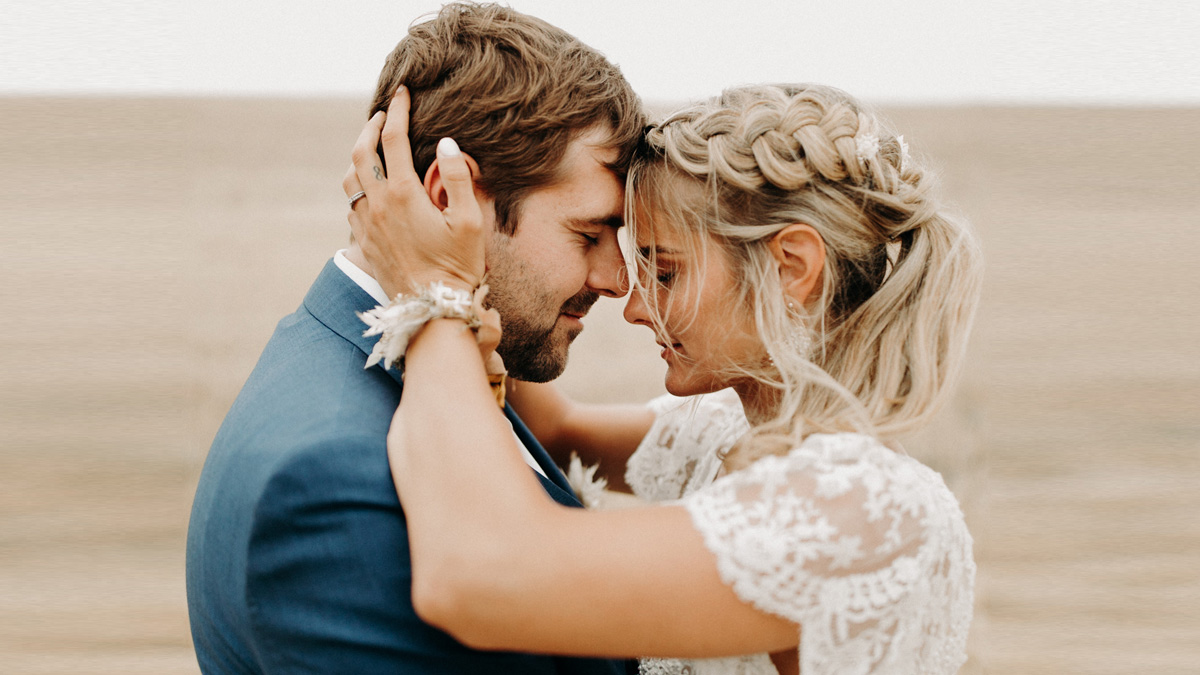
(866, 549)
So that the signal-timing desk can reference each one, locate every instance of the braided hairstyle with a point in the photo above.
(879, 347)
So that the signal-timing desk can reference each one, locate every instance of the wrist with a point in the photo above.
(451, 342)
(445, 330)
(396, 284)
(405, 316)
(419, 282)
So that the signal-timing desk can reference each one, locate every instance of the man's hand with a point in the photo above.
(407, 239)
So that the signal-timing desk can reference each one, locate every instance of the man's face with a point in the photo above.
(563, 256)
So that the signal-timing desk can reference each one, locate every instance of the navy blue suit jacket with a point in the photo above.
(297, 551)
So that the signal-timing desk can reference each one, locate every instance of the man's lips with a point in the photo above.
(578, 306)
(573, 318)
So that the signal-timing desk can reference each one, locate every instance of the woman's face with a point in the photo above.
(706, 328)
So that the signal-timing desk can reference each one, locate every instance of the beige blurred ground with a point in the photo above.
(150, 246)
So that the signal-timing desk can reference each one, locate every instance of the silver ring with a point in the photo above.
(355, 197)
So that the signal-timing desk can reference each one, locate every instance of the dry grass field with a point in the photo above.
(149, 246)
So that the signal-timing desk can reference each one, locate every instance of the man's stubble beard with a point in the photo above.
(532, 349)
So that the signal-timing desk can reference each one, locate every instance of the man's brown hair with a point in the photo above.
(513, 91)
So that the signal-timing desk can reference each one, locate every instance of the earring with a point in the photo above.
(798, 339)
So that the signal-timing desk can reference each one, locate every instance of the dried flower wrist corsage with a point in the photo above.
(406, 315)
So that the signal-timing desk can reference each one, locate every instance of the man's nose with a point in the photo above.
(608, 275)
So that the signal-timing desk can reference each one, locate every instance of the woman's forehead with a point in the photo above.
(658, 232)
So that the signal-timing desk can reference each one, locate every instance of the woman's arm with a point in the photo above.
(495, 561)
(499, 565)
(600, 434)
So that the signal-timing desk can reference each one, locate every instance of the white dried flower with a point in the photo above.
(397, 323)
(866, 145)
(585, 484)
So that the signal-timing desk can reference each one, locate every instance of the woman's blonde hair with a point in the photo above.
(879, 347)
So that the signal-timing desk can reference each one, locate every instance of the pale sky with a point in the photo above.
(1103, 52)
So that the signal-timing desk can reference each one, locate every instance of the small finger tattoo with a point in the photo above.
(378, 173)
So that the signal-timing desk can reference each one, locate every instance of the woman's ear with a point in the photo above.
(799, 254)
(437, 190)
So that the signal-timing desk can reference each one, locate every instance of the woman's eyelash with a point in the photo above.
(666, 277)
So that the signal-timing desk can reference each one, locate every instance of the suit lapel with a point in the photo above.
(554, 481)
(335, 300)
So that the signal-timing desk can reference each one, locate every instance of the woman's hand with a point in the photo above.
(408, 240)
(488, 336)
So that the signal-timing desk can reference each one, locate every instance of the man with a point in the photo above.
(297, 548)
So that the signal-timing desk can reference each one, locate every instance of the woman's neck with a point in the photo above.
(759, 402)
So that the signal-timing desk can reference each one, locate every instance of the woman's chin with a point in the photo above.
(676, 385)
(684, 386)
(675, 390)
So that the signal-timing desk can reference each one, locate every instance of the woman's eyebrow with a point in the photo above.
(644, 251)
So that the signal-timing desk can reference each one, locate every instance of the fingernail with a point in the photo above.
(399, 89)
(447, 148)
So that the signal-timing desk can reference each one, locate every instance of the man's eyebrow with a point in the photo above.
(658, 250)
(615, 222)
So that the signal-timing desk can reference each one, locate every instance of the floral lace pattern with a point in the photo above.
(683, 449)
(756, 664)
(865, 548)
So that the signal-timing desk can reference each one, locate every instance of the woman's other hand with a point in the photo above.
(414, 233)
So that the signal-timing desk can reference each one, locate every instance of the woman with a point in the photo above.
(786, 249)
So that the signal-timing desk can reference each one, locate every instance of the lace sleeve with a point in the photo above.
(867, 550)
(683, 443)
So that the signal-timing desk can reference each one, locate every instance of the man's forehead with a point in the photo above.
(594, 144)
(593, 192)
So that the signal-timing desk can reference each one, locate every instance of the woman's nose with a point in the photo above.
(635, 308)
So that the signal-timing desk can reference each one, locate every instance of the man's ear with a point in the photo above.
(799, 254)
(437, 190)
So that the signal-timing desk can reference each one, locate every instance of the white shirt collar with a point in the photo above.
(365, 281)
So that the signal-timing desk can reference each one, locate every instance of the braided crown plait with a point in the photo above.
(788, 140)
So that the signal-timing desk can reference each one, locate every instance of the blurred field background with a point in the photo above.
(150, 245)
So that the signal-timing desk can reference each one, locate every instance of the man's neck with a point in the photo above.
(355, 255)
(359, 276)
